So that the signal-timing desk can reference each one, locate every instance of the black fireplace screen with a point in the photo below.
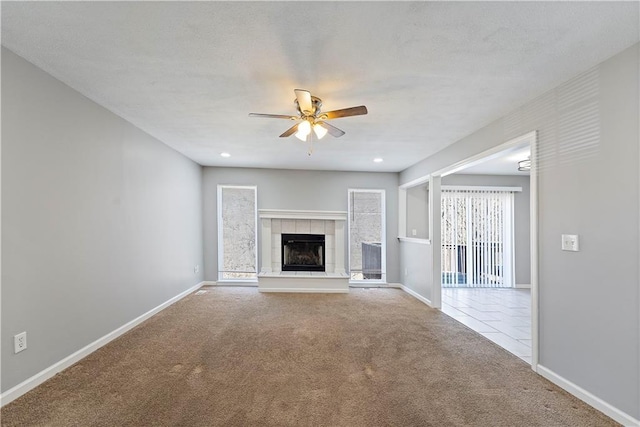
(303, 252)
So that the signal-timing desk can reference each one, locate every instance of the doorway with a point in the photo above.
(487, 268)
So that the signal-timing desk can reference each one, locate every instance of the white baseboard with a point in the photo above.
(522, 286)
(241, 283)
(372, 285)
(395, 285)
(584, 395)
(416, 295)
(236, 283)
(209, 283)
(31, 383)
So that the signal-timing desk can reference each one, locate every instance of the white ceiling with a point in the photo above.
(502, 163)
(430, 73)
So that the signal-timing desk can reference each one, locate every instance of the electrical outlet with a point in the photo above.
(570, 242)
(414, 232)
(196, 269)
(19, 342)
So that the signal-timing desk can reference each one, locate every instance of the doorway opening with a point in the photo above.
(487, 252)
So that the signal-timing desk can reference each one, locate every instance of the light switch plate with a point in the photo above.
(570, 242)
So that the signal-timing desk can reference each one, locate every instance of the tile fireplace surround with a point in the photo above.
(332, 224)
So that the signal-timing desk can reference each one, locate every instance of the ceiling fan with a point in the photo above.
(312, 118)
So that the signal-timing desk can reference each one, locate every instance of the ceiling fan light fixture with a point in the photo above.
(319, 130)
(304, 129)
(311, 118)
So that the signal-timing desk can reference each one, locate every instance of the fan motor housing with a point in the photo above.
(315, 102)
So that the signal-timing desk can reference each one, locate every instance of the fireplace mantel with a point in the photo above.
(296, 214)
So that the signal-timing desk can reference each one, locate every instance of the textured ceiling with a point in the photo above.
(430, 73)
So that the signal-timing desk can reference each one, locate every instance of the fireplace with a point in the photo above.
(274, 223)
(303, 252)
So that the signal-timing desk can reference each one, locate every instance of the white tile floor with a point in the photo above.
(501, 315)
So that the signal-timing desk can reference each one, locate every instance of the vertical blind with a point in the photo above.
(477, 238)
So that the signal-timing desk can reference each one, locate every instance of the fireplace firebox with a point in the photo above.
(303, 252)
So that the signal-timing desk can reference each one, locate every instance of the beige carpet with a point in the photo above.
(235, 357)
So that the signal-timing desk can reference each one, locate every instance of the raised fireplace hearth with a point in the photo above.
(303, 252)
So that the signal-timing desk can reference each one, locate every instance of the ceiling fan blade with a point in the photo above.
(346, 112)
(333, 131)
(272, 116)
(304, 101)
(293, 129)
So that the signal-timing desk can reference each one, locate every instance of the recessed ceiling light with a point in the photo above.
(378, 160)
(225, 154)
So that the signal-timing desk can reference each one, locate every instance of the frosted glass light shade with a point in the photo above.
(304, 129)
(319, 131)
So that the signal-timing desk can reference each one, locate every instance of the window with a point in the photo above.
(367, 235)
(237, 231)
(477, 238)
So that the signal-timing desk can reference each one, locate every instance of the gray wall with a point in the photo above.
(588, 185)
(100, 222)
(418, 211)
(299, 190)
(522, 214)
(416, 267)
